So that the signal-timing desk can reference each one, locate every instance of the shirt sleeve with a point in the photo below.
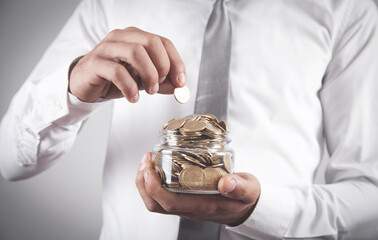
(346, 206)
(43, 119)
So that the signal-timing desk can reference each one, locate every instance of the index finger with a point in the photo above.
(177, 72)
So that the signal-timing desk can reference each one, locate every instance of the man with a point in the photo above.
(303, 74)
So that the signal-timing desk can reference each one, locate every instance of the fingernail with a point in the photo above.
(146, 175)
(231, 185)
(162, 79)
(143, 163)
(154, 89)
(135, 98)
(181, 78)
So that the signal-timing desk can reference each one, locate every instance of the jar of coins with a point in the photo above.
(193, 154)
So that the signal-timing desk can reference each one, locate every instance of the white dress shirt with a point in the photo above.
(303, 74)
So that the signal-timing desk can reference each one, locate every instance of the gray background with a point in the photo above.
(65, 201)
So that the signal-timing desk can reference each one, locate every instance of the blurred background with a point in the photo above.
(63, 202)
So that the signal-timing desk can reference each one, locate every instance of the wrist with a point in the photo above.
(245, 215)
(72, 66)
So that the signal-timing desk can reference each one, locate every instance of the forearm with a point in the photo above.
(42, 121)
(344, 210)
(29, 143)
(25, 154)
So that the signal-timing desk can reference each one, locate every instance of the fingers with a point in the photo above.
(162, 52)
(149, 202)
(135, 55)
(240, 186)
(131, 60)
(166, 87)
(119, 76)
(177, 73)
(153, 45)
(172, 203)
(154, 188)
(236, 204)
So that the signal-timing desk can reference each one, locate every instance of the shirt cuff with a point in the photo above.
(58, 105)
(78, 110)
(272, 216)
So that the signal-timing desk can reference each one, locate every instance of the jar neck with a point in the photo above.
(175, 139)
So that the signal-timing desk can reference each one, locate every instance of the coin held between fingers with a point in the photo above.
(182, 95)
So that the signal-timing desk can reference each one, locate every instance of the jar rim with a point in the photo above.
(175, 138)
(163, 132)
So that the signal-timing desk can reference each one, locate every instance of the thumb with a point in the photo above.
(240, 186)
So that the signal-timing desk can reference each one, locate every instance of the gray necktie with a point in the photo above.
(212, 97)
(213, 81)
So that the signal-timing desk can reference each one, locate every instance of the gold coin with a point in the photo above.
(186, 165)
(175, 124)
(211, 117)
(223, 125)
(217, 125)
(192, 117)
(227, 162)
(208, 159)
(182, 95)
(176, 167)
(194, 161)
(212, 130)
(212, 177)
(217, 165)
(189, 133)
(216, 161)
(221, 171)
(157, 158)
(194, 126)
(196, 156)
(167, 123)
(173, 185)
(192, 178)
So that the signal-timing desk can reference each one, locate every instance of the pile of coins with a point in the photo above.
(193, 156)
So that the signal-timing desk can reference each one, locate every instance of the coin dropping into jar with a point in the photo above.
(182, 95)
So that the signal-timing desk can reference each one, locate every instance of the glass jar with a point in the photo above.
(193, 162)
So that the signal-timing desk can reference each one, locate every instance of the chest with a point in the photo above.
(273, 42)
